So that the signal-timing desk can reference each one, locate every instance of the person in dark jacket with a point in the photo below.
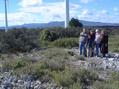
(104, 43)
(93, 47)
(90, 44)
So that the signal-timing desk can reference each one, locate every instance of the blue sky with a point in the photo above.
(43, 11)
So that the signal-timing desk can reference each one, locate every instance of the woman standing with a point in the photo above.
(97, 42)
(104, 43)
(90, 42)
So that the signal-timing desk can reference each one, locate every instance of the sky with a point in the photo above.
(44, 11)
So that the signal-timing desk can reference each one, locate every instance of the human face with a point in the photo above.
(84, 30)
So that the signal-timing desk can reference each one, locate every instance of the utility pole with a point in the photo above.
(67, 13)
(6, 18)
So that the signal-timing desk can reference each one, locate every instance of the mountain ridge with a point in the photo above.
(61, 24)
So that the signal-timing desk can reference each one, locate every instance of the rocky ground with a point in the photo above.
(29, 81)
(111, 61)
(9, 81)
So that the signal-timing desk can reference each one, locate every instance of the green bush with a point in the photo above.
(106, 85)
(114, 43)
(75, 23)
(55, 65)
(19, 64)
(39, 72)
(19, 40)
(75, 86)
(63, 78)
(85, 77)
(24, 40)
(15, 63)
(66, 42)
(65, 33)
(39, 69)
(58, 54)
(45, 35)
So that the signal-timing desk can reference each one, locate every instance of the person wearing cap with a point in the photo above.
(97, 42)
(82, 42)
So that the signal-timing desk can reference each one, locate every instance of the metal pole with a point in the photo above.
(6, 18)
(67, 13)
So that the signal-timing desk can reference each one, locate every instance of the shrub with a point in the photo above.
(75, 86)
(66, 42)
(115, 76)
(63, 78)
(19, 64)
(45, 35)
(65, 33)
(20, 40)
(114, 43)
(55, 65)
(106, 85)
(15, 63)
(75, 23)
(57, 54)
(85, 77)
(39, 69)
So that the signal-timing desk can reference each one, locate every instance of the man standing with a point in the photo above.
(82, 42)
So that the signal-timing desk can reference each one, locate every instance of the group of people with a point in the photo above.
(93, 43)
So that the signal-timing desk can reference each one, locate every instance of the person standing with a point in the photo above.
(97, 42)
(93, 47)
(104, 43)
(82, 42)
(90, 42)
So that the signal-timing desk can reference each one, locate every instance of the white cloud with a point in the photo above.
(86, 14)
(37, 11)
(26, 3)
(86, 1)
(116, 9)
(51, 11)
(97, 16)
(31, 11)
(17, 18)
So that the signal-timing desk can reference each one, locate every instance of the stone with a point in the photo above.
(7, 85)
(21, 82)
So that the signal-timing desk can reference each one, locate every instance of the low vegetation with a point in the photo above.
(55, 63)
(54, 67)
(66, 43)
(25, 40)
(114, 43)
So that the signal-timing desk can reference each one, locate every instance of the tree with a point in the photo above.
(75, 23)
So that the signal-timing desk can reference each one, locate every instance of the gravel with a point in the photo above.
(8, 81)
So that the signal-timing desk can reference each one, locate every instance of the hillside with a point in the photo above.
(49, 59)
(61, 24)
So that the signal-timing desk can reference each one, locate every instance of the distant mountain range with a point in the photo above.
(91, 23)
(61, 24)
